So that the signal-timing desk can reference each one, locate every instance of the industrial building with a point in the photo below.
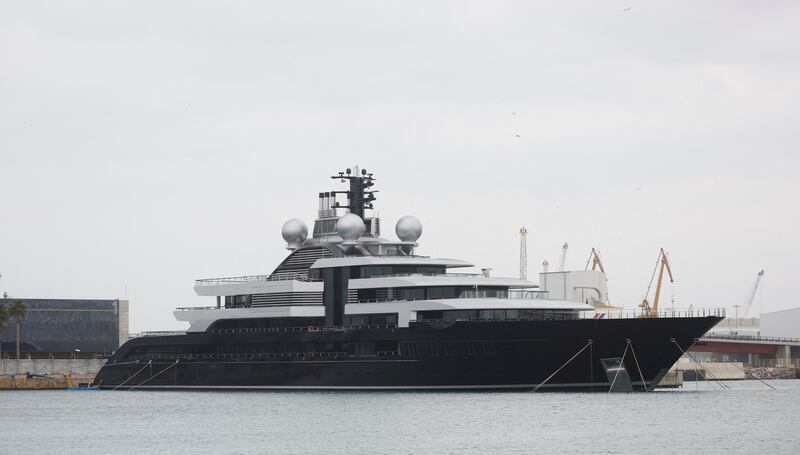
(64, 328)
(771, 340)
(781, 324)
(741, 327)
(777, 324)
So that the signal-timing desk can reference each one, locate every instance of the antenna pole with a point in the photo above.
(523, 253)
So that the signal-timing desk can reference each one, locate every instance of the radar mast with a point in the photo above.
(359, 197)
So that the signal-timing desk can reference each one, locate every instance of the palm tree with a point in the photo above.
(17, 310)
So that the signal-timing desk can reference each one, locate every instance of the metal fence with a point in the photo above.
(775, 363)
(753, 338)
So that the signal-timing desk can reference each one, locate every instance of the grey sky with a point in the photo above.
(151, 143)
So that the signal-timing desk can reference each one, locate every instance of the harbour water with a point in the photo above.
(700, 418)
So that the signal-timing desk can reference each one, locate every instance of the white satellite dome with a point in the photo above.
(295, 232)
(408, 229)
(350, 227)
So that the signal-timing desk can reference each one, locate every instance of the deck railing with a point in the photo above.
(400, 275)
(311, 355)
(515, 295)
(310, 328)
(230, 280)
(158, 333)
(281, 276)
(303, 276)
(560, 315)
(629, 314)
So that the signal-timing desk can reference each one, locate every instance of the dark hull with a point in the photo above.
(456, 355)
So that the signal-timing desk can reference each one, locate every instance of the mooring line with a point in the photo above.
(705, 371)
(151, 377)
(621, 366)
(745, 371)
(637, 364)
(562, 366)
(591, 364)
(134, 374)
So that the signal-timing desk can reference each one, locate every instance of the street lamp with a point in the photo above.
(75, 358)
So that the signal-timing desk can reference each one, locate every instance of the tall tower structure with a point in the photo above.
(523, 253)
(563, 264)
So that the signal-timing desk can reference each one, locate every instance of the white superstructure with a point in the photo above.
(346, 261)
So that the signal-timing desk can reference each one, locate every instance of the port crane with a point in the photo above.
(594, 258)
(648, 310)
(749, 302)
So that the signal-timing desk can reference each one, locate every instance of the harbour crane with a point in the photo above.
(749, 302)
(563, 258)
(594, 258)
(648, 310)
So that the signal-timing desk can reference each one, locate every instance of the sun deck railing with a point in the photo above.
(400, 275)
(280, 276)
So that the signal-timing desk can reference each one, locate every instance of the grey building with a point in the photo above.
(60, 326)
(782, 324)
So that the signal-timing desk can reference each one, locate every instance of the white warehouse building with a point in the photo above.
(781, 324)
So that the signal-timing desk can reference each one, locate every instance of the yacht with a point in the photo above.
(349, 309)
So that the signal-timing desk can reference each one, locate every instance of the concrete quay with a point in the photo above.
(53, 382)
(50, 366)
(710, 370)
(672, 380)
(728, 371)
(47, 374)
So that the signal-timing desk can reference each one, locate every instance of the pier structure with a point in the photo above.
(751, 350)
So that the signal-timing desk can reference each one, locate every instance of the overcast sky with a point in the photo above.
(147, 144)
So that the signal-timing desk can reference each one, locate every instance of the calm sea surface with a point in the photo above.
(750, 419)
